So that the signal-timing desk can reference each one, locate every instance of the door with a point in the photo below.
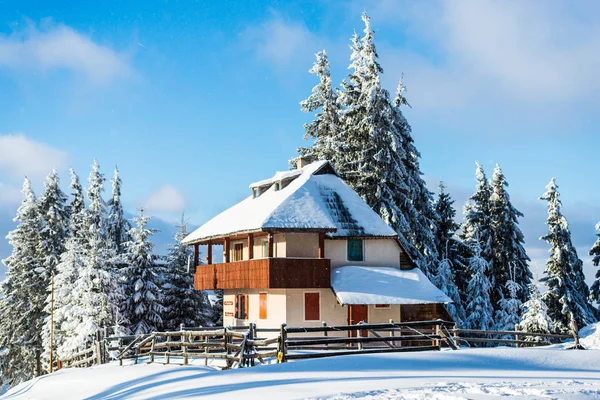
(357, 313)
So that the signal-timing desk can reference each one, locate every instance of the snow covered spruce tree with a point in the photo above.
(117, 225)
(54, 212)
(182, 304)
(373, 151)
(567, 297)
(447, 246)
(509, 310)
(595, 252)
(476, 228)
(67, 273)
(98, 285)
(326, 128)
(144, 277)
(478, 309)
(535, 317)
(509, 259)
(24, 292)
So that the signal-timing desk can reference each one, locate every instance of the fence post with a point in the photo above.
(575, 331)
(205, 350)
(359, 335)
(252, 336)
(184, 347)
(283, 338)
(392, 334)
(152, 347)
(325, 333)
(438, 332)
(98, 351)
(517, 344)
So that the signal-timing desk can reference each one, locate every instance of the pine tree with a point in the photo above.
(509, 310)
(55, 216)
(67, 273)
(217, 309)
(326, 128)
(479, 310)
(22, 304)
(595, 252)
(144, 302)
(535, 317)
(96, 211)
(509, 259)
(117, 225)
(183, 304)
(567, 297)
(372, 149)
(477, 226)
(77, 225)
(448, 247)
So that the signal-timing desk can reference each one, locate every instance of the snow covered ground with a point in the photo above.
(551, 372)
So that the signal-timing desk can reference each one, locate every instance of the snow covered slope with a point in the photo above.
(475, 373)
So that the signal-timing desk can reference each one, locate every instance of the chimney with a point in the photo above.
(302, 162)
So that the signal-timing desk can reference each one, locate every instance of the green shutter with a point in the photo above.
(355, 250)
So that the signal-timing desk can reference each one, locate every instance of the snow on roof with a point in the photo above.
(310, 202)
(384, 285)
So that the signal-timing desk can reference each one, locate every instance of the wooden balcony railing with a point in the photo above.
(265, 273)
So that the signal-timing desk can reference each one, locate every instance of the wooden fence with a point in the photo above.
(237, 346)
(397, 337)
(245, 345)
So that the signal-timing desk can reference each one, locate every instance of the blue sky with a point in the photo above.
(195, 100)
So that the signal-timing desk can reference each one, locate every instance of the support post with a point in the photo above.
(250, 246)
(209, 253)
(438, 333)
(321, 245)
(325, 333)
(226, 250)
(271, 243)
(205, 350)
(392, 333)
(517, 335)
(196, 255)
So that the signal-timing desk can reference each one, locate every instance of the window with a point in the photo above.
(265, 248)
(238, 251)
(262, 302)
(355, 250)
(241, 306)
(312, 306)
(382, 306)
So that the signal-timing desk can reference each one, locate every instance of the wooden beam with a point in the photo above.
(250, 246)
(226, 250)
(209, 253)
(196, 255)
(321, 245)
(271, 243)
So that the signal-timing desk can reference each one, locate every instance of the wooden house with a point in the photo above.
(305, 248)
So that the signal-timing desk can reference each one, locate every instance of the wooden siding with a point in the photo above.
(265, 273)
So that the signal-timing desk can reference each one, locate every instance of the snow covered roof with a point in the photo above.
(384, 285)
(316, 199)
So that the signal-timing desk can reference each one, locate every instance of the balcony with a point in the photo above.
(265, 273)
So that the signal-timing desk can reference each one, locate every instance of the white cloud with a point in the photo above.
(61, 47)
(166, 199)
(280, 42)
(20, 156)
(471, 50)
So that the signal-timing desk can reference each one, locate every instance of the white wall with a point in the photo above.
(377, 252)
